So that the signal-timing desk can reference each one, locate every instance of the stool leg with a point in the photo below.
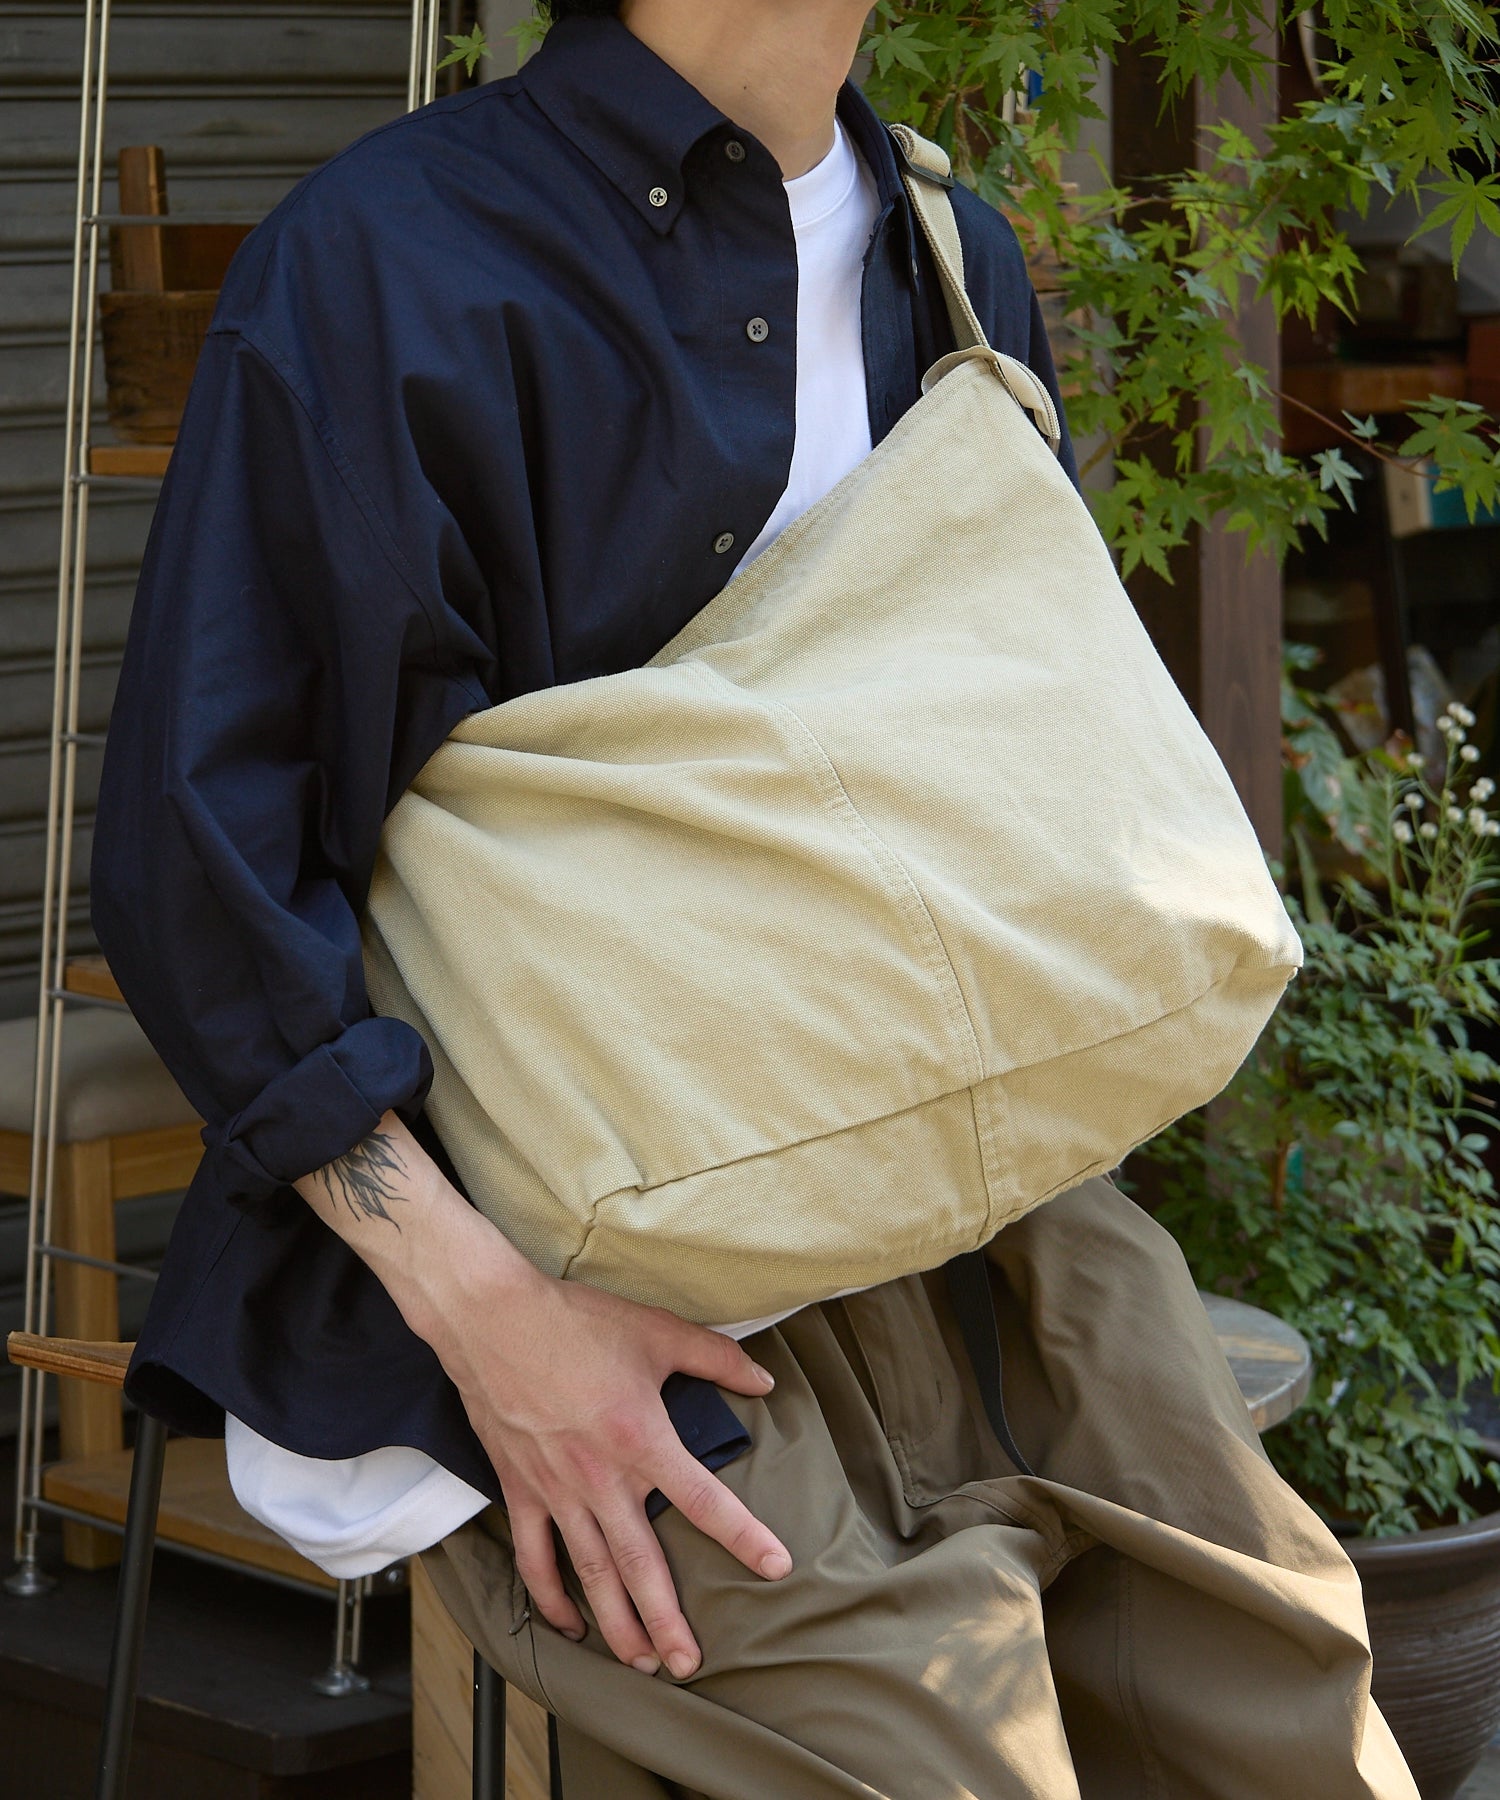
(130, 1609)
(489, 1732)
(554, 1760)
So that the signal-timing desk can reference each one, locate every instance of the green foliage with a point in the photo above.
(1455, 435)
(1341, 1181)
(1326, 794)
(1160, 267)
(468, 48)
(1155, 271)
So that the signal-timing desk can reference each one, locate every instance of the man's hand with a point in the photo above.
(562, 1384)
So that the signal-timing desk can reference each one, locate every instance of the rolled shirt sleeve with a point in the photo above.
(282, 672)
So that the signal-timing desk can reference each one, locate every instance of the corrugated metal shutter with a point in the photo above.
(245, 99)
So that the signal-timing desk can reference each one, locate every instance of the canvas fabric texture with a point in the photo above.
(1154, 1615)
(899, 893)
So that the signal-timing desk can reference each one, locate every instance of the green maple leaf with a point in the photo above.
(468, 48)
(1334, 471)
(1468, 201)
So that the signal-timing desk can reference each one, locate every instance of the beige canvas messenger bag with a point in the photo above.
(900, 892)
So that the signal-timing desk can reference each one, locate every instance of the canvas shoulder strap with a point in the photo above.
(928, 177)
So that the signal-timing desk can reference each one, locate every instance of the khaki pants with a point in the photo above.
(1154, 1616)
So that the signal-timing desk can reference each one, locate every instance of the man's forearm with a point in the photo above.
(388, 1200)
(562, 1384)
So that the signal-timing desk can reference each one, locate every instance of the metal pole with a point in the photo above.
(28, 1578)
(130, 1610)
(341, 1677)
(414, 57)
(357, 1621)
(74, 675)
(489, 1732)
(554, 1760)
(427, 87)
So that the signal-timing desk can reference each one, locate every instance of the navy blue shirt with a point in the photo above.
(477, 413)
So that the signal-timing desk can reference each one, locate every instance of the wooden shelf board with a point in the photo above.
(1334, 388)
(104, 1363)
(1371, 387)
(198, 1508)
(129, 459)
(90, 975)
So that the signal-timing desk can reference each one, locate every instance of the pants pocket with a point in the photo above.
(898, 1353)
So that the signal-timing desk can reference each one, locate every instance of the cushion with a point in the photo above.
(113, 1082)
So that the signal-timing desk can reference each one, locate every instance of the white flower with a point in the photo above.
(1448, 725)
(1414, 801)
(1455, 815)
(1477, 818)
(1415, 760)
(1470, 753)
(1401, 831)
(1492, 828)
(1461, 713)
(1429, 830)
(1482, 789)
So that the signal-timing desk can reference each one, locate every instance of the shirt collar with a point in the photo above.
(636, 118)
(873, 141)
(630, 113)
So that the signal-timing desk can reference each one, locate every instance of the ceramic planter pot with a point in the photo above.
(1433, 1602)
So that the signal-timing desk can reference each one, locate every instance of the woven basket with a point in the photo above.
(151, 345)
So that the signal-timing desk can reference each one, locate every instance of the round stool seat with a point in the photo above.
(112, 1081)
(1270, 1359)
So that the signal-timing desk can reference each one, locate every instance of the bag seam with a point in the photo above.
(915, 1106)
(900, 887)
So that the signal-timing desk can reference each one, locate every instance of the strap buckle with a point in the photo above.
(912, 166)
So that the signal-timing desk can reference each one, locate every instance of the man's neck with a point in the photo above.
(773, 66)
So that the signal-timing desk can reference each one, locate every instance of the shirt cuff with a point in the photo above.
(709, 1429)
(320, 1108)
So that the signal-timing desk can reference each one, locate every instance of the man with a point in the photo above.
(500, 398)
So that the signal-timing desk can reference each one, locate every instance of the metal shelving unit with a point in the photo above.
(56, 996)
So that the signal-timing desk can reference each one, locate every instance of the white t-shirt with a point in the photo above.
(355, 1516)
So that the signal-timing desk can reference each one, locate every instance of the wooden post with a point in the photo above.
(1240, 598)
(87, 1306)
(138, 252)
(1218, 623)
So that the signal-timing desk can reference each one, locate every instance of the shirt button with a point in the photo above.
(757, 330)
(735, 150)
(723, 542)
(658, 196)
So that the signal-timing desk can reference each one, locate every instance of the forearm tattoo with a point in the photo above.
(366, 1178)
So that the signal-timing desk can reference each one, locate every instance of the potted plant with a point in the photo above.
(1341, 1183)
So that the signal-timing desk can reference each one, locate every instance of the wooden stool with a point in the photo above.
(1270, 1359)
(104, 1365)
(124, 1129)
